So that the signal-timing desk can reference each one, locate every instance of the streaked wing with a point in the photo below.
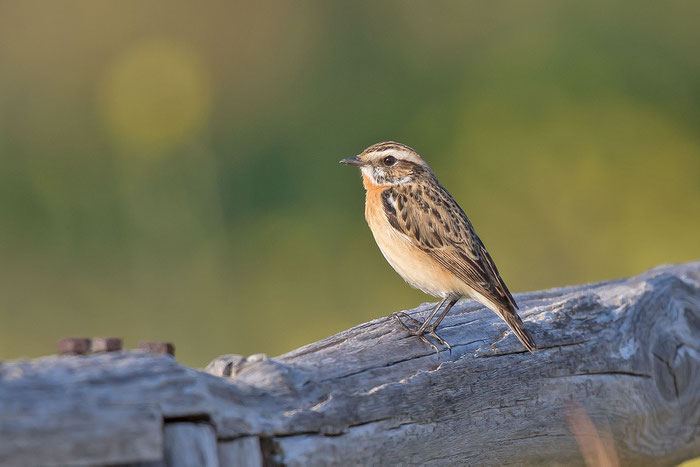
(430, 215)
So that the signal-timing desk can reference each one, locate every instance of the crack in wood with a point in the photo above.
(605, 373)
(191, 418)
(670, 372)
(540, 348)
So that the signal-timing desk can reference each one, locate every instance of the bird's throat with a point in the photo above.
(369, 184)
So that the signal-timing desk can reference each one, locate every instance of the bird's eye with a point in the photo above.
(389, 161)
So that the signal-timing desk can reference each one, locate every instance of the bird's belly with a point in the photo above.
(414, 265)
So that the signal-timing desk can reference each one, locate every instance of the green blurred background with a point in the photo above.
(168, 171)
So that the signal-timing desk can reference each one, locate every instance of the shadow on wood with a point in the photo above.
(625, 352)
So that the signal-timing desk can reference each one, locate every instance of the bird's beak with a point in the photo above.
(353, 161)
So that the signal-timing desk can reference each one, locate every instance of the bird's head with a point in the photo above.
(389, 163)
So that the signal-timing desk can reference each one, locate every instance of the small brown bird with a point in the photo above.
(428, 240)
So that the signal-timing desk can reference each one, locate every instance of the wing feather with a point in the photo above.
(430, 215)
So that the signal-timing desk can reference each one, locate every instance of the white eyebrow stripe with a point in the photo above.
(409, 156)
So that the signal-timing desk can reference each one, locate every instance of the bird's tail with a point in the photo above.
(516, 325)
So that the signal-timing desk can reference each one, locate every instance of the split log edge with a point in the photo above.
(624, 352)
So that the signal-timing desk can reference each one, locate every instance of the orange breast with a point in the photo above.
(414, 265)
(374, 212)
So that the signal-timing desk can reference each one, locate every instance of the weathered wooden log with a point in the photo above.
(624, 353)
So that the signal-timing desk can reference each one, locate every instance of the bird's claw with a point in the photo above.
(414, 332)
(409, 318)
(431, 332)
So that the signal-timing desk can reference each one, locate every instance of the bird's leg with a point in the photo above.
(425, 324)
(431, 329)
(420, 328)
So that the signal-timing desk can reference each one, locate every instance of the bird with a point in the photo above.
(429, 241)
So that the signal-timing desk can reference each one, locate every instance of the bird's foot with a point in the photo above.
(414, 331)
(431, 332)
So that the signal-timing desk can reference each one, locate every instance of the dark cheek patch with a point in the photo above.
(393, 174)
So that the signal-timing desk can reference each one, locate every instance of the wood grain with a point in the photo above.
(190, 444)
(241, 452)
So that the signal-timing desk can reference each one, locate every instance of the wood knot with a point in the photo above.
(674, 367)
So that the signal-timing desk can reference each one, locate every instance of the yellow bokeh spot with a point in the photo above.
(154, 96)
